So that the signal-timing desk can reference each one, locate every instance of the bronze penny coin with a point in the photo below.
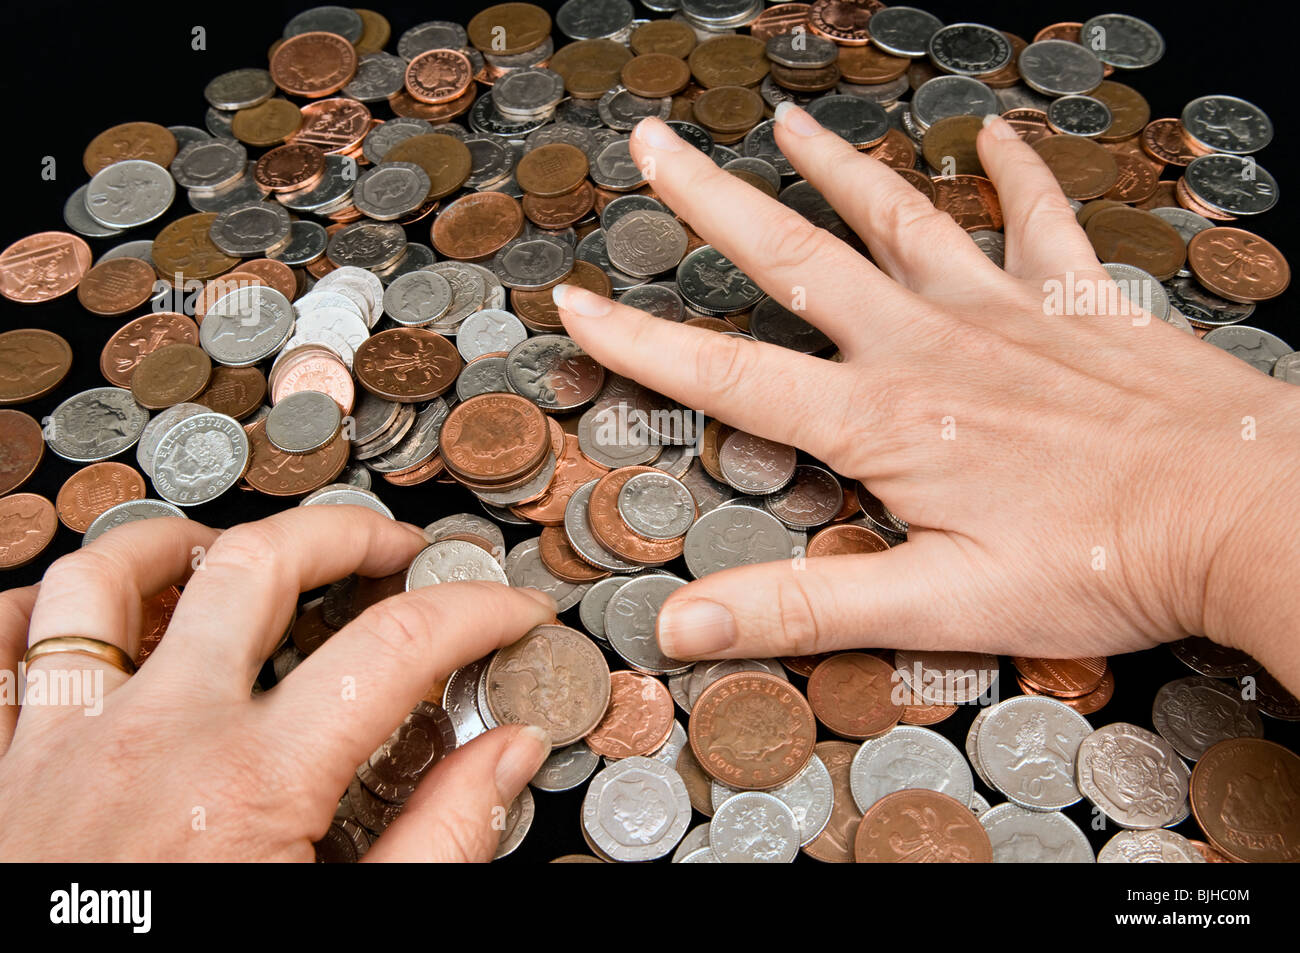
(170, 375)
(665, 36)
(870, 66)
(921, 826)
(655, 75)
(949, 145)
(639, 718)
(266, 124)
(336, 126)
(1245, 794)
(42, 267)
(591, 68)
(1129, 110)
(572, 471)
(714, 436)
(537, 309)
(156, 615)
(834, 845)
(614, 534)
(27, 526)
(274, 273)
(508, 28)
(1167, 141)
(1083, 169)
(561, 560)
(33, 362)
(116, 286)
(494, 438)
(130, 140)
(555, 678)
(971, 200)
(919, 181)
(438, 76)
(1238, 265)
(141, 336)
(409, 365)
(1031, 124)
(779, 19)
(22, 444)
(805, 80)
(1138, 174)
(1131, 236)
(375, 31)
(752, 731)
(699, 786)
(234, 391)
(183, 250)
(844, 21)
(477, 226)
(313, 64)
(846, 539)
(728, 109)
(1008, 75)
(852, 694)
(93, 489)
(552, 169)
(804, 664)
(297, 165)
(926, 714)
(275, 473)
(896, 151)
(1064, 678)
(1087, 704)
(444, 159)
(560, 211)
(1190, 202)
(732, 60)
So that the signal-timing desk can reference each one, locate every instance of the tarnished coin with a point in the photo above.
(555, 678)
(645, 243)
(1232, 782)
(1194, 713)
(27, 526)
(553, 372)
(395, 768)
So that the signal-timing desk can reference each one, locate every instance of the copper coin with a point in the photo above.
(494, 438)
(406, 364)
(728, 109)
(1131, 236)
(310, 630)
(173, 374)
(805, 80)
(33, 362)
(560, 211)
(22, 444)
(844, 21)
(27, 525)
(274, 273)
(868, 65)
(729, 60)
(655, 75)
(555, 678)
(335, 126)
(116, 286)
(42, 267)
(285, 168)
(313, 64)
(139, 337)
(1063, 678)
(1138, 174)
(846, 539)
(156, 615)
(1129, 110)
(537, 308)
(668, 36)
(266, 124)
(375, 31)
(752, 731)
(183, 250)
(714, 436)
(1167, 141)
(639, 718)
(1068, 31)
(852, 694)
(804, 664)
(590, 68)
(834, 845)
(614, 534)
(1211, 855)
(1087, 704)
(276, 473)
(571, 471)
(1083, 169)
(1237, 264)
(93, 489)
(896, 151)
(699, 786)
(234, 391)
(1008, 75)
(1246, 796)
(921, 826)
(403, 103)
(1188, 201)
(552, 169)
(971, 200)
(1030, 123)
(508, 28)
(949, 145)
(444, 159)
(477, 225)
(130, 140)
(314, 371)
(565, 564)
(926, 714)
(921, 182)
(438, 76)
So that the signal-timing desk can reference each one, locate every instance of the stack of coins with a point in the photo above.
(361, 286)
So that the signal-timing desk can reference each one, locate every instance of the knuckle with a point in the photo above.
(1048, 207)
(91, 566)
(909, 216)
(724, 363)
(797, 615)
(464, 835)
(400, 627)
(791, 244)
(255, 546)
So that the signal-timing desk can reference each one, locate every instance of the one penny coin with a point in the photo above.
(949, 145)
(1131, 236)
(266, 124)
(639, 719)
(27, 525)
(508, 28)
(921, 826)
(665, 36)
(494, 438)
(555, 678)
(868, 65)
(438, 76)
(170, 375)
(477, 226)
(1064, 678)
(733, 60)
(852, 694)
(846, 539)
(552, 169)
(116, 286)
(572, 470)
(752, 731)
(93, 489)
(444, 159)
(971, 200)
(655, 75)
(33, 362)
(24, 445)
(1083, 169)
(590, 68)
(834, 845)
(234, 391)
(297, 165)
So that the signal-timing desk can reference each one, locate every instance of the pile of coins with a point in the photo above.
(298, 340)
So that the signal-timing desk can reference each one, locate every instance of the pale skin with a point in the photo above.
(1075, 439)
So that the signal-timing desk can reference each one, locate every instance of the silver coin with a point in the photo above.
(418, 298)
(566, 768)
(303, 421)
(625, 205)
(217, 122)
(656, 506)
(343, 21)
(213, 164)
(491, 161)
(1133, 775)
(524, 567)
(388, 134)
(1079, 116)
(339, 298)
(774, 324)
(1028, 746)
(857, 121)
(484, 118)
(810, 795)
(1021, 97)
(1235, 185)
(969, 49)
(367, 244)
(569, 133)
(760, 143)
(882, 93)
(531, 490)
(378, 76)
(593, 250)
(77, 217)
(622, 110)
(537, 56)
(647, 831)
(1258, 348)
(246, 326)
(1287, 368)
(131, 511)
(755, 465)
(518, 822)
(344, 495)
(391, 190)
(200, 458)
(95, 425)
(947, 678)
(1060, 68)
(543, 368)
(1122, 41)
(130, 193)
(250, 229)
(141, 248)
(754, 827)
(494, 292)
(526, 94)
(185, 135)
(453, 560)
(696, 839)
(613, 167)
(812, 205)
(592, 608)
(418, 444)
(239, 89)
(1034, 837)
(158, 425)
(593, 19)
(668, 752)
(460, 701)
(759, 167)
(903, 31)
(319, 322)
(1149, 847)
(630, 623)
(431, 35)
(1186, 224)
(946, 96)
(908, 757)
(488, 331)
(1227, 124)
(468, 523)
(978, 805)
(704, 674)
(484, 375)
(240, 192)
(659, 299)
(1140, 287)
(812, 498)
(332, 191)
(1196, 712)
(417, 256)
(802, 50)
(577, 530)
(532, 264)
(712, 284)
(730, 536)
(645, 243)
(467, 293)
(972, 746)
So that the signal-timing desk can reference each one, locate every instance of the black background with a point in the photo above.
(74, 69)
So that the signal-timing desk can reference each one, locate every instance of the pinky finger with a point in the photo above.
(456, 814)
(15, 614)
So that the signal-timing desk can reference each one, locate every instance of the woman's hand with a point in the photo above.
(182, 764)
(1076, 484)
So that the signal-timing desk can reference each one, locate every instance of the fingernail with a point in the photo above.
(580, 300)
(658, 135)
(695, 627)
(796, 120)
(541, 598)
(1001, 129)
(523, 756)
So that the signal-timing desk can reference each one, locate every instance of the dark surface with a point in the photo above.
(73, 70)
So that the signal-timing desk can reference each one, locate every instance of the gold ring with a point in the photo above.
(80, 645)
